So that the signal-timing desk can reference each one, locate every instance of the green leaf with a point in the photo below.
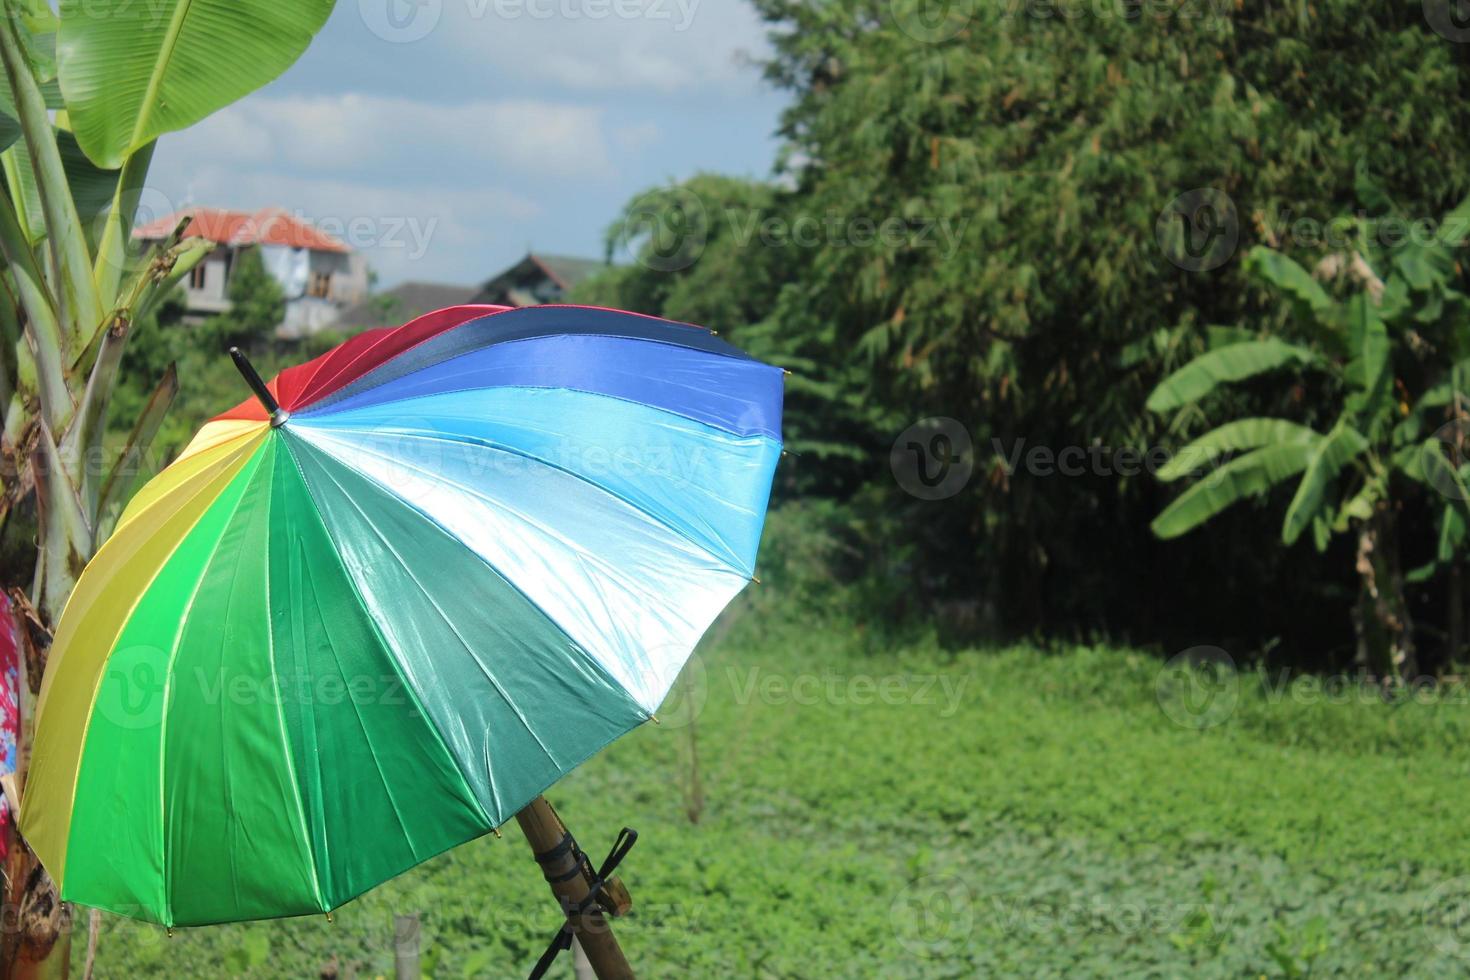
(1360, 506)
(1250, 475)
(1369, 191)
(1251, 433)
(1451, 532)
(1422, 574)
(1368, 371)
(91, 187)
(1280, 271)
(1441, 394)
(1454, 230)
(1395, 299)
(1222, 336)
(1342, 445)
(132, 71)
(1432, 468)
(1424, 267)
(1233, 362)
(79, 307)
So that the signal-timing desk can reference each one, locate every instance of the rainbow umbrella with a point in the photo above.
(376, 611)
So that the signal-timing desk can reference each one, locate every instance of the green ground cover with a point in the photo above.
(919, 812)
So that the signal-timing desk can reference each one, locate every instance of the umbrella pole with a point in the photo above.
(548, 838)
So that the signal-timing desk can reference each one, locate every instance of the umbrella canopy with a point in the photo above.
(319, 648)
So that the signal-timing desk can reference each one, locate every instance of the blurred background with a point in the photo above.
(1112, 604)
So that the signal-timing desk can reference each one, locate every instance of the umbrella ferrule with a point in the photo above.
(278, 415)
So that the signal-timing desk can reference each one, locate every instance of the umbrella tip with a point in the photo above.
(654, 719)
(278, 415)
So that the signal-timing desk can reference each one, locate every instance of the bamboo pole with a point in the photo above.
(544, 832)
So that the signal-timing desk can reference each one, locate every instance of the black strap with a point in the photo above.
(563, 938)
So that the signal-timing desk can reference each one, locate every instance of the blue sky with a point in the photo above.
(445, 136)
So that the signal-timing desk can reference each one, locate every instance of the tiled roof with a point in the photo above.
(537, 278)
(268, 226)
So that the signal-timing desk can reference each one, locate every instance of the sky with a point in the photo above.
(446, 137)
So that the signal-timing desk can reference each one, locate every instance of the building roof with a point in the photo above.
(268, 226)
(521, 284)
(566, 270)
(402, 303)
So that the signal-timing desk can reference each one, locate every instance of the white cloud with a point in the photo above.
(354, 133)
(666, 46)
(636, 137)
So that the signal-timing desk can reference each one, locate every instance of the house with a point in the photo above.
(537, 278)
(402, 303)
(319, 274)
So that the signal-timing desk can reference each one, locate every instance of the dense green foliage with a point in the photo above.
(1007, 218)
(1055, 799)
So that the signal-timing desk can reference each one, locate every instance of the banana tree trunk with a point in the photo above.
(1382, 620)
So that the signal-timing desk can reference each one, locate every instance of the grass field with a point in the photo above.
(915, 812)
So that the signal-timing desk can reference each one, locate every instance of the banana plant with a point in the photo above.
(85, 93)
(1379, 333)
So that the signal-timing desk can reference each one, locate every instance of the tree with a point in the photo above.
(1025, 155)
(1387, 368)
(86, 92)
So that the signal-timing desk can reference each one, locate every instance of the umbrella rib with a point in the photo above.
(589, 661)
(270, 635)
(521, 454)
(368, 617)
(607, 572)
(357, 714)
(516, 708)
